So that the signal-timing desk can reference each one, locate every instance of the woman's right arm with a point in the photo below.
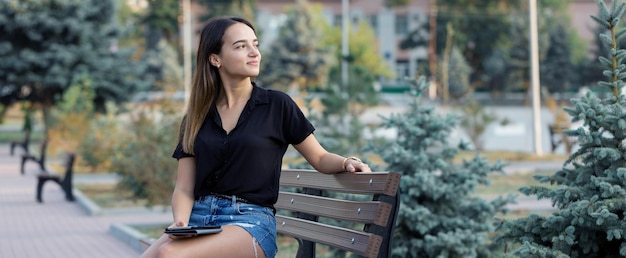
(182, 197)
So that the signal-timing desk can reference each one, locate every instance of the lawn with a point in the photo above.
(501, 184)
(18, 136)
(108, 196)
(510, 156)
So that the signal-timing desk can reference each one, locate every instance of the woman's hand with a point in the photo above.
(179, 224)
(353, 164)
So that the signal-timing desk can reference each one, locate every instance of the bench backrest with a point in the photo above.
(307, 195)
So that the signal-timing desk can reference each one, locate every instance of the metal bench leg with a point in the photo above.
(12, 148)
(40, 182)
(67, 188)
(22, 165)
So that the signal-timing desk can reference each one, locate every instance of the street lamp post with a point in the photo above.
(345, 50)
(534, 74)
(187, 50)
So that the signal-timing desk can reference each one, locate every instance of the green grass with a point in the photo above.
(108, 196)
(510, 156)
(9, 136)
(505, 184)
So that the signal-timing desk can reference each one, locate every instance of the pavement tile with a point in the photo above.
(56, 227)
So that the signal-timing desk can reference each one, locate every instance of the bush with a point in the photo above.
(142, 156)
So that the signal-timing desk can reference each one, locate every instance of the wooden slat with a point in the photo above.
(366, 212)
(359, 183)
(358, 242)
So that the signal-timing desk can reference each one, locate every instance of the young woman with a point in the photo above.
(232, 142)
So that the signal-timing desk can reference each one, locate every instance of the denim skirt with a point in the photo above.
(259, 221)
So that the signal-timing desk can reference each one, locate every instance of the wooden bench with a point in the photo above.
(23, 144)
(309, 200)
(65, 182)
(39, 159)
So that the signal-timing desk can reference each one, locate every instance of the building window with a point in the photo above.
(402, 69)
(337, 22)
(374, 23)
(402, 24)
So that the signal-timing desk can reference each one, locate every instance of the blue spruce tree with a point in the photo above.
(439, 214)
(589, 191)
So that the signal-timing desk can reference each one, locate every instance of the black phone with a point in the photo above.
(193, 230)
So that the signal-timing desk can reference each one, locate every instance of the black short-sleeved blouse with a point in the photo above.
(247, 161)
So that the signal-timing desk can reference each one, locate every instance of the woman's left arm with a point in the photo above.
(326, 162)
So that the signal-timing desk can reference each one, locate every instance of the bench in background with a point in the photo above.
(65, 182)
(304, 213)
(23, 144)
(39, 159)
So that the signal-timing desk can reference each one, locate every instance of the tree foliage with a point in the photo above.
(456, 72)
(392, 3)
(70, 118)
(439, 216)
(365, 66)
(294, 61)
(243, 8)
(161, 20)
(148, 175)
(592, 69)
(493, 37)
(590, 188)
(44, 45)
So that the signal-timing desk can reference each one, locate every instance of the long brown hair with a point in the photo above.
(206, 83)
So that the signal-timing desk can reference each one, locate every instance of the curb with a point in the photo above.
(87, 204)
(131, 236)
(126, 233)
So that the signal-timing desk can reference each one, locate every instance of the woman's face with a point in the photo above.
(240, 56)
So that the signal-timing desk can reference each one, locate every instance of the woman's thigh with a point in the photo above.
(258, 221)
(233, 241)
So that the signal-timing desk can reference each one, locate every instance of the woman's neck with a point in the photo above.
(235, 92)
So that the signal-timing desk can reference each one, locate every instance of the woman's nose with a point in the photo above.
(254, 52)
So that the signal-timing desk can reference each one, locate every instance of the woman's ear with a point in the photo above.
(214, 60)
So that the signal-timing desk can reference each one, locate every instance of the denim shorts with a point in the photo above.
(259, 221)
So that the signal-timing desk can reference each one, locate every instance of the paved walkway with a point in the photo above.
(56, 228)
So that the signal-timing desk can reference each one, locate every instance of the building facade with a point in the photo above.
(391, 26)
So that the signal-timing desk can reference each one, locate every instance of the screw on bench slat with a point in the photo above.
(358, 211)
(298, 177)
(291, 200)
(353, 240)
(371, 181)
(283, 224)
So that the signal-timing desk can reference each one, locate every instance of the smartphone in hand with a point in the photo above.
(190, 231)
